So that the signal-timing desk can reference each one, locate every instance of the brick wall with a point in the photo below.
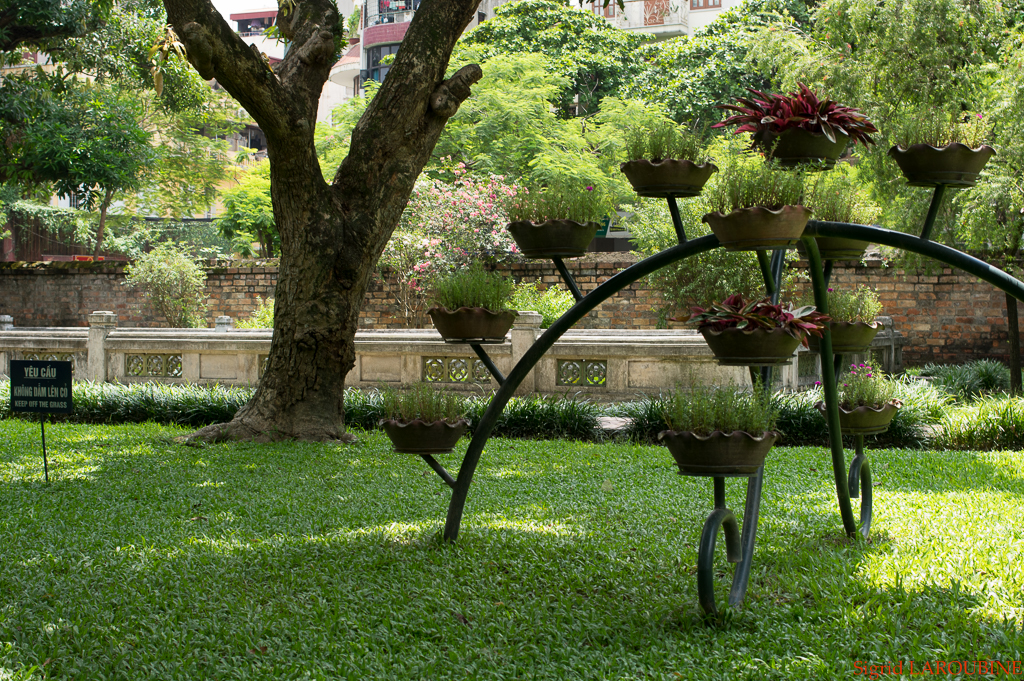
(946, 317)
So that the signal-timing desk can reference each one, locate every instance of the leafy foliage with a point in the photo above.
(736, 313)
(173, 283)
(773, 114)
(551, 303)
(248, 214)
(939, 128)
(261, 318)
(588, 58)
(690, 76)
(703, 409)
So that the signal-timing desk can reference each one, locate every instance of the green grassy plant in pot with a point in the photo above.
(756, 206)
(799, 127)
(472, 306)
(718, 430)
(556, 221)
(836, 197)
(423, 420)
(867, 401)
(666, 160)
(934, 147)
(853, 325)
(756, 332)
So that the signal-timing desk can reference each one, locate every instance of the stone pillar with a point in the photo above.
(6, 322)
(525, 333)
(224, 323)
(101, 323)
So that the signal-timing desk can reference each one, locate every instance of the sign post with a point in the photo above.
(41, 387)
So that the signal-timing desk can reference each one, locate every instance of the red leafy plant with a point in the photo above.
(735, 312)
(768, 115)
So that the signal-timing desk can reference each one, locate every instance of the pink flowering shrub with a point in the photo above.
(448, 224)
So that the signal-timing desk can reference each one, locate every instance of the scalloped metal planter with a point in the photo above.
(669, 177)
(956, 164)
(865, 420)
(797, 146)
(471, 324)
(848, 337)
(760, 347)
(553, 238)
(420, 437)
(835, 248)
(732, 454)
(754, 229)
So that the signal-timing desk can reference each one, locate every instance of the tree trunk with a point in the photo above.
(103, 221)
(331, 234)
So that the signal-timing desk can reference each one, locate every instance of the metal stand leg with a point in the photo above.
(859, 482)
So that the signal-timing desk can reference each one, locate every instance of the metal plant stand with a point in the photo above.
(851, 483)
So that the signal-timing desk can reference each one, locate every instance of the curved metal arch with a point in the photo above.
(921, 246)
(515, 377)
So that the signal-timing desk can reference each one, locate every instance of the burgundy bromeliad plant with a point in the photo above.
(768, 115)
(736, 313)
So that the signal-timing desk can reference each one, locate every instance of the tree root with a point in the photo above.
(239, 430)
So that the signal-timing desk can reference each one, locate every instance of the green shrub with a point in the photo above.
(556, 202)
(173, 282)
(836, 196)
(261, 318)
(544, 417)
(994, 422)
(182, 404)
(473, 287)
(703, 409)
(646, 418)
(967, 381)
(552, 303)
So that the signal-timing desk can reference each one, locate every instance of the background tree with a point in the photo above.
(249, 214)
(589, 57)
(174, 284)
(690, 76)
(34, 22)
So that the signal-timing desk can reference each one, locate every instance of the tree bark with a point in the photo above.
(331, 234)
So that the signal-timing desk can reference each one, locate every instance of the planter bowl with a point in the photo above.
(956, 164)
(669, 177)
(471, 324)
(756, 229)
(760, 347)
(865, 420)
(733, 454)
(848, 338)
(797, 146)
(836, 248)
(420, 437)
(553, 238)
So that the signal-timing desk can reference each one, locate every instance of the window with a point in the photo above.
(602, 11)
(374, 55)
(481, 17)
(705, 4)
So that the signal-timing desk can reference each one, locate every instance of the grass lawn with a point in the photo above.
(148, 559)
